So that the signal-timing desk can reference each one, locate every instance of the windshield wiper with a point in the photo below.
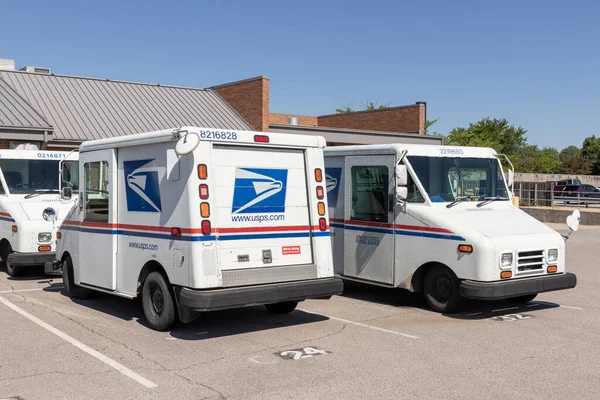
(460, 200)
(489, 200)
(41, 191)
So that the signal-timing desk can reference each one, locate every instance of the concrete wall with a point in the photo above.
(587, 179)
(548, 214)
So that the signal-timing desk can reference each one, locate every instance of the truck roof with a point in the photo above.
(165, 135)
(414, 150)
(17, 154)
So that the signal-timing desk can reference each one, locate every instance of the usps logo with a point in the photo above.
(259, 190)
(141, 186)
(332, 181)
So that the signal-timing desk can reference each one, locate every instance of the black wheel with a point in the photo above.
(71, 289)
(441, 289)
(522, 299)
(282, 308)
(11, 270)
(157, 302)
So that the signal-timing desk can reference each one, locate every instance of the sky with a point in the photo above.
(535, 63)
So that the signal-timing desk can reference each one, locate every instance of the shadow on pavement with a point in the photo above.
(500, 310)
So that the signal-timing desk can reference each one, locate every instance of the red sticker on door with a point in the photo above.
(286, 250)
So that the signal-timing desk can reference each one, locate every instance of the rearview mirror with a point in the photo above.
(66, 193)
(401, 193)
(401, 175)
(573, 220)
(511, 177)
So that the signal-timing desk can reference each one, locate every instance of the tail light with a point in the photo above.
(205, 227)
(321, 208)
(202, 171)
(204, 191)
(261, 138)
(204, 210)
(320, 193)
(318, 175)
(322, 224)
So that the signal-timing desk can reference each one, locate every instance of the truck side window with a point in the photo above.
(370, 193)
(96, 196)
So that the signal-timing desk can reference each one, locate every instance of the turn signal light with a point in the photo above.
(322, 224)
(204, 191)
(505, 274)
(14, 228)
(318, 175)
(205, 227)
(465, 248)
(204, 210)
(552, 269)
(44, 248)
(320, 193)
(321, 208)
(176, 231)
(58, 235)
(202, 171)
(261, 138)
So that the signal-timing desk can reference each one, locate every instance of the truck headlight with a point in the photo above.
(552, 255)
(44, 237)
(506, 260)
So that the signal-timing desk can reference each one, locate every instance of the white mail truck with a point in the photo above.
(30, 202)
(437, 220)
(196, 219)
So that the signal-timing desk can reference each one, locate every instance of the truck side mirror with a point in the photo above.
(66, 193)
(401, 193)
(401, 175)
(511, 177)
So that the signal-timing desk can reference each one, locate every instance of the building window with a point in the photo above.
(370, 193)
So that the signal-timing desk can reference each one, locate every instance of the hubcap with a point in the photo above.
(443, 288)
(158, 301)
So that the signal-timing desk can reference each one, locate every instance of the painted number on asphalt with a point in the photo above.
(298, 354)
(511, 317)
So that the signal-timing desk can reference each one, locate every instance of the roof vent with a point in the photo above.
(293, 121)
(37, 70)
(7, 64)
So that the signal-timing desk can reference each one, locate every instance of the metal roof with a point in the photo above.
(15, 112)
(86, 108)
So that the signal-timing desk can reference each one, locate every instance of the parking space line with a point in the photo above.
(96, 354)
(32, 290)
(573, 308)
(376, 328)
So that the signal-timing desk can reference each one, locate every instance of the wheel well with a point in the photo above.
(4, 247)
(65, 256)
(150, 266)
(419, 275)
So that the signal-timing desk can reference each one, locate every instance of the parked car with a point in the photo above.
(559, 186)
(580, 191)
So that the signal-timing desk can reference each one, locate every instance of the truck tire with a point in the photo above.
(71, 289)
(284, 307)
(10, 269)
(522, 299)
(157, 302)
(442, 289)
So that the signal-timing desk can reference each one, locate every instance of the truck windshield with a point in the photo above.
(36, 176)
(447, 179)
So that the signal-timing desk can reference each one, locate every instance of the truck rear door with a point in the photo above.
(262, 212)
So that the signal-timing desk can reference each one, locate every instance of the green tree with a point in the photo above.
(591, 153)
(428, 124)
(495, 133)
(366, 106)
(572, 162)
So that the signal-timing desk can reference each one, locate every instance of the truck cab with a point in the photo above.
(438, 220)
(31, 206)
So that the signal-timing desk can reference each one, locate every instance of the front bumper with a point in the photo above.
(516, 287)
(30, 259)
(219, 299)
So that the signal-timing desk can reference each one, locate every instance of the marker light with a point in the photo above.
(14, 228)
(318, 175)
(204, 210)
(506, 260)
(204, 191)
(202, 171)
(505, 274)
(58, 235)
(321, 208)
(261, 138)
(176, 231)
(320, 193)
(44, 248)
(465, 248)
(552, 255)
(552, 269)
(322, 224)
(205, 227)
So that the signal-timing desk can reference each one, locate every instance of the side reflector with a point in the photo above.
(202, 171)
(318, 175)
(176, 231)
(44, 248)
(14, 228)
(58, 235)
(465, 248)
(205, 225)
(320, 193)
(552, 269)
(204, 210)
(505, 274)
(204, 191)
(321, 208)
(261, 138)
(322, 224)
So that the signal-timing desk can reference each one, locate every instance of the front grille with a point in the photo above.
(530, 261)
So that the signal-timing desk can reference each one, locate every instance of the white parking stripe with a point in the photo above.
(573, 308)
(376, 328)
(32, 290)
(107, 360)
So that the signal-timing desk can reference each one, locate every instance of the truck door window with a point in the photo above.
(414, 194)
(370, 193)
(96, 195)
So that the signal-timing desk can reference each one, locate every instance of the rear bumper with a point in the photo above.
(516, 287)
(30, 259)
(219, 299)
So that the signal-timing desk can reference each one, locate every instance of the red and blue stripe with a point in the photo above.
(4, 216)
(397, 229)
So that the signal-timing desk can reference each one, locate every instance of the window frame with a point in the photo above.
(385, 216)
